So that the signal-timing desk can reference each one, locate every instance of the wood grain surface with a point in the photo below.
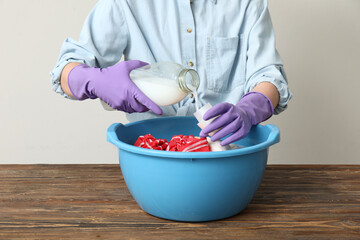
(92, 202)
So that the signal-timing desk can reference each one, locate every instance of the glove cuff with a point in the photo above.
(78, 82)
(257, 105)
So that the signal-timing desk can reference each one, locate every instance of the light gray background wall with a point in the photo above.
(318, 40)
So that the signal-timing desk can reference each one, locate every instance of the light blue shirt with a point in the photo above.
(231, 44)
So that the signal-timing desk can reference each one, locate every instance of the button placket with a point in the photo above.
(188, 24)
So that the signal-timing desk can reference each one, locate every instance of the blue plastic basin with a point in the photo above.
(186, 186)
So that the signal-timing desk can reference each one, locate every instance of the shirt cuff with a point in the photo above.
(55, 75)
(279, 81)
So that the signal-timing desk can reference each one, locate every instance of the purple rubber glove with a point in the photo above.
(112, 85)
(237, 120)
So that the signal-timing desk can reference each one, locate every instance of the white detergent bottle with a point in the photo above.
(165, 83)
(199, 114)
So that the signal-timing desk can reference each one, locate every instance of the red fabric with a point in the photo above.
(181, 143)
(149, 142)
(178, 143)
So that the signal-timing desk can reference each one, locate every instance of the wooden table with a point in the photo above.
(92, 202)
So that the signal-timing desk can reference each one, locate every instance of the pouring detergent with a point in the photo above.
(165, 83)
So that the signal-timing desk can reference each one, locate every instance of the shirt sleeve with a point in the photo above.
(102, 41)
(263, 61)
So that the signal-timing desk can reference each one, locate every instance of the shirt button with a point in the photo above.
(191, 64)
(191, 1)
(189, 30)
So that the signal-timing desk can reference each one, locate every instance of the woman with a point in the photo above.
(231, 44)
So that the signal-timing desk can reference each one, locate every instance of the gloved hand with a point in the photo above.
(237, 120)
(112, 85)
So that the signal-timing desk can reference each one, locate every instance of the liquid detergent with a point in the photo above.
(165, 83)
(196, 96)
(151, 87)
